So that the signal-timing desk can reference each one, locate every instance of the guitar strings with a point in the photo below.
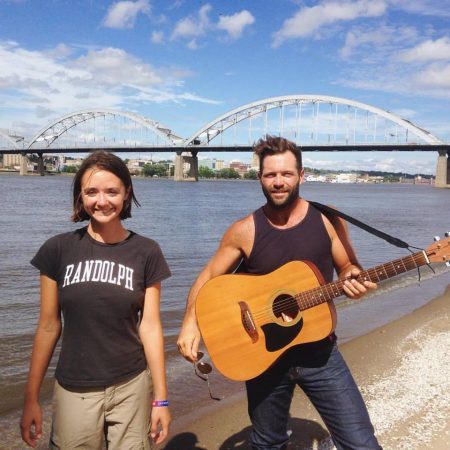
(298, 301)
(301, 301)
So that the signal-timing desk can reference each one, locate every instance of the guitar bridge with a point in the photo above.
(247, 322)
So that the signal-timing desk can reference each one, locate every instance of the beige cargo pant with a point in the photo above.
(120, 414)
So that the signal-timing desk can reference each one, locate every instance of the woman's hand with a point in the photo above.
(31, 423)
(159, 424)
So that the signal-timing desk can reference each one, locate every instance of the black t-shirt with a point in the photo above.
(101, 289)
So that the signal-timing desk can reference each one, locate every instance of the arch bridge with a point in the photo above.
(313, 122)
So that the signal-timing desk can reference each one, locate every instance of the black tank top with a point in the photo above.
(273, 247)
(306, 241)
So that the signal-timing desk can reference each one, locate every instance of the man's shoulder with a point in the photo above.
(242, 232)
(244, 223)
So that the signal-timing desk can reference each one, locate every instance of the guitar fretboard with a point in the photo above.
(328, 292)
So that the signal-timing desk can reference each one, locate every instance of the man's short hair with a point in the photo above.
(272, 145)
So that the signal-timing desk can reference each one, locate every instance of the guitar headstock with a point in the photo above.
(440, 250)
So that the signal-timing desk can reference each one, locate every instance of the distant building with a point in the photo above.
(315, 178)
(363, 178)
(73, 161)
(135, 165)
(346, 178)
(220, 164)
(209, 163)
(11, 161)
(255, 162)
(240, 167)
(422, 180)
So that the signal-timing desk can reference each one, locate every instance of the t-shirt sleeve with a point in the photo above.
(157, 268)
(46, 258)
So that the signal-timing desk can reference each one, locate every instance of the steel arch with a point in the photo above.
(214, 128)
(13, 139)
(53, 131)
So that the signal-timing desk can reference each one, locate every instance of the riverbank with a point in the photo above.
(402, 368)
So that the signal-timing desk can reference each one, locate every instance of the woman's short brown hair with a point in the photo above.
(111, 163)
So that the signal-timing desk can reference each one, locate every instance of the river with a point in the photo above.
(188, 220)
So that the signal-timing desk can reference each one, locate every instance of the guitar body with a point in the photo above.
(248, 321)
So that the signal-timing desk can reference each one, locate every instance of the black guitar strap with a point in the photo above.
(330, 211)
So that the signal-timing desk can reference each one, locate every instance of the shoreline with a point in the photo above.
(402, 369)
(171, 178)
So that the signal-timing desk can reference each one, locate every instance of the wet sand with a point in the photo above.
(403, 370)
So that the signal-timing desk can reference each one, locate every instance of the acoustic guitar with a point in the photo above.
(248, 321)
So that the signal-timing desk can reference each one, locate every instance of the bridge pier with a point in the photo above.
(23, 164)
(41, 166)
(443, 169)
(180, 160)
(178, 173)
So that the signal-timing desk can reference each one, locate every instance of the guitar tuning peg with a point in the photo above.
(447, 234)
(447, 263)
(437, 238)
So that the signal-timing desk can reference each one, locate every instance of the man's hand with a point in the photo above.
(189, 339)
(353, 288)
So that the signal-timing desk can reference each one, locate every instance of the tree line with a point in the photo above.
(226, 173)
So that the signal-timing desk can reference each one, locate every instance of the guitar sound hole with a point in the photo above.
(285, 307)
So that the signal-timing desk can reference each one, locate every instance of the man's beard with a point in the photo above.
(290, 199)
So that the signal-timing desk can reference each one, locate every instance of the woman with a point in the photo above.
(106, 282)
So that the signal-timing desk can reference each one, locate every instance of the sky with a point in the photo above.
(186, 62)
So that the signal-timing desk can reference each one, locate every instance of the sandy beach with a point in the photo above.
(403, 370)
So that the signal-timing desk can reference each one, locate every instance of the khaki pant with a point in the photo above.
(82, 417)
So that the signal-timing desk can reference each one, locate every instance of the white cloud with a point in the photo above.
(192, 44)
(198, 25)
(308, 20)
(235, 24)
(60, 51)
(193, 26)
(370, 43)
(157, 37)
(429, 51)
(106, 67)
(354, 40)
(436, 76)
(393, 79)
(42, 83)
(439, 8)
(413, 65)
(123, 14)
(176, 4)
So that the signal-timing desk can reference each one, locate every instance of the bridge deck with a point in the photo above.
(240, 148)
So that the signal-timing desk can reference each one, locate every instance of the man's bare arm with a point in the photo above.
(345, 260)
(235, 244)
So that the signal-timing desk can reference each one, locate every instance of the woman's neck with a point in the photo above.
(108, 234)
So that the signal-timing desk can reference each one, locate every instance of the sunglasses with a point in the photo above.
(202, 370)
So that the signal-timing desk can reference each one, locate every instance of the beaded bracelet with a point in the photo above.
(160, 403)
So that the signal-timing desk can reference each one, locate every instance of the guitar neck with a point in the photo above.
(330, 291)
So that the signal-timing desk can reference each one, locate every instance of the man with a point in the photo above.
(288, 228)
